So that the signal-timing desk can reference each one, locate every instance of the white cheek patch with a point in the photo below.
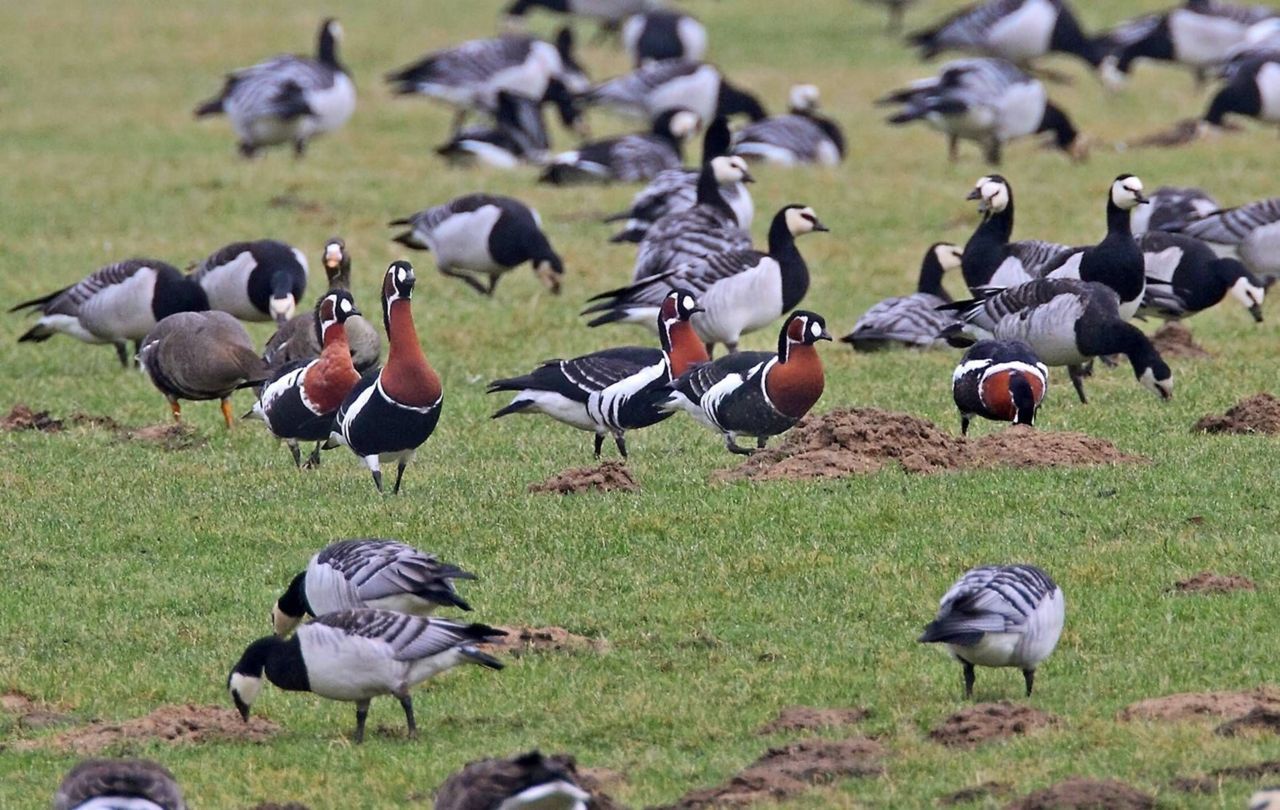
(246, 687)
(1246, 293)
(815, 329)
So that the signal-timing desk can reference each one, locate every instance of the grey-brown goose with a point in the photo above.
(201, 355)
(297, 339)
(524, 780)
(130, 784)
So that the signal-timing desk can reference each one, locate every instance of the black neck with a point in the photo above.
(709, 190)
(985, 249)
(174, 293)
(1024, 399)
(795, 273)
(784, 343)
(733, 101)
(327, 52)
(1056, 121)
(1241, 97)
(1068, 37)
(280, 659)
(829, 128)
(1117, 220)
(294, 601)
(716, 141)
(1115, 336)
(930, 280)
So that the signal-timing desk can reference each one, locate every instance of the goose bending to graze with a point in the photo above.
(999, 616)
(1001, 380)
(483, 235)
(357, 655)
(628, 158)
(1020, 31)
(372, 573)
(990, 260)
(913, 320)
(1066, 322)
(1252, 90)
(1185, 276)
(200, 356)
(517, 134)
(119, 784)
(1169, 205)
(756, 394)
(802, 136)
(115, 304)
(288, 99)
(674, 84)
(1252, 231)
(529, 780)
(657, 35)
(254, 281)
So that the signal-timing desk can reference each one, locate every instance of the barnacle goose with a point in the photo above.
(529, 780)
(676, 190)
(608, 12)
(517, 134)
(200, 356)
(1185, 276)
(254, 281)
(627, 158)
(119, 784)
(663, 34)
(990, 260)
(1170, 205)
(989, 101)
(357, 655)
(674, 84)
(999, 616)
(1001, 380)
(1252, 90)
(802, 136)
(1251, 231)
(912, 320)
(1018, 30)
(287, 99)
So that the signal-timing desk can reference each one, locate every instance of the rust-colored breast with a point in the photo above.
(407, 377)
(794, 386)
(996, 395)
(329, 381)
(686, 349)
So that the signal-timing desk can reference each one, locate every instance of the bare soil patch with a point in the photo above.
(1258, 719)
(1209, 783)
(807, 718)
(989, 721)
(782, 773)
(1259, 413)
(170, 437)
(31, 714)
(1209, 582)
(521, 640)
(1183, 132)
(1175, 340)
(177, 724)
(608, 476)
(1025, 447)
(1200, 705)
(1086, 794)
(987, 790)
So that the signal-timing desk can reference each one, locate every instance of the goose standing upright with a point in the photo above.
(392, 411)
(800, 137)
(288, 99)
(627, 158)
(201, 356)
(528, 780)
(1185, 276)
(1020, 31)
(912, 320)
(1001, 380)
(254, 281)
(119, 784)
(990, 260)
(663, 34)
(675, 84)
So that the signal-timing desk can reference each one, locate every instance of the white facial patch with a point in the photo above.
(333, 253)
(796, 223)
(689, 303)
(282, 307)
(1247, 294)
(948, 256)
(246, 687)
(728, 169)
(995, 196)
(346, 305)
(803, 97)
(684, 124)
(335, 28)
(1126, 193)
(1162, 387)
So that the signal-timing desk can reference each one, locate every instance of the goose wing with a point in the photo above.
(1231, 226)
(381, 568)
(993, 599)
(68, 300)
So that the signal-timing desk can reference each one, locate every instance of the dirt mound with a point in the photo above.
(1086, 794)
(168, 437)
(1199, 705)
(521, 640)
(21, 417)
(1175, 340)
(783, 773)
(1024, 447)
(986, 790)
(1258, 719)
(609, 476)
(1209, 783)
(805, 718)
(989, 721)
(1259, 413)
(171, 724)
(32, 714)
(1209, 582)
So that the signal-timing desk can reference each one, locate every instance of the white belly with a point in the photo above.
(699, 92)
(462, 240)
(1202, 40)
(1268, 81)
(332, 107)
(993, 650)
(1024, 34)
(122, 310)
(559, 408)
(349, 672)
(1021, 110)
(228, 288)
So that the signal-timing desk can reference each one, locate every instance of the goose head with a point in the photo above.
(334, 308)
(245, 681)
(678, 306)
(282, 303)
(804, 328)
(397, 285)
(1246, 288)
(336, 257)
(947, 255)
(1157, 378)
(801, 220)
(730, 169)
(550, 271)
(803, 98)
(992, 193)
(1126, 192)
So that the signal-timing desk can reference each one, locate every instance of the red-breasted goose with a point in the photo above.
(119, 784)
(1001, 380)
(255, 281)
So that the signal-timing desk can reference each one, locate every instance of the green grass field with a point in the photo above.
(134, 577)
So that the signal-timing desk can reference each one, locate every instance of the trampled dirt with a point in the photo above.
(782, 773)
(1209, 582)
(521, 640)
(32, 714)
(1086, 794)
(989, 721)
(1175, 340)
(608, 476)
(1259, 413)
(1201, 705)
(178, 724)
(808, 718)
(169, 436)
(1258, 719)
(987, 790)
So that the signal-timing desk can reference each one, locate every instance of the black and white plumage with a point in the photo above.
(1185, 276)
(630, 158)
(989, 101)
(674, 84)
(608, 12)
(1066, 322)
(1169, 206)
(119, 784)
(1251, 232)
(357, 655)
(1020, 31)
(912, 320)
(739, 291)
(517, 134)
(1001, 380)
(255, 281)
(803, 136)
(369, 573)
(529, 780)
(1000, 616)
(1252, 90)
(114, 304)
(663, 34)
(483, 235)
(990, 260)
(288, 99)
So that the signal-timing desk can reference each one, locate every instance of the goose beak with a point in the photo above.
(825, 335)
(696, 310)
(818, 227)
(747, 178)
(354, 312)
(1140, 197)
(1256, 312)
(974, 194)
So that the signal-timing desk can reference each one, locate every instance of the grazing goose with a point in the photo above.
(912, 320)
(115, 304)
(674, 84)
(299, 338)
(483, 235)
(999, 616)
(288, 99)
(1020, 31)
(1252, 90)
(738, 292)
(372, 573)
(615, 390)
(1170, 205)
(200, 356)
(301, 399)
(990, 260)
(657, 35)
(254, 281)
(610, 13)
(1066, 322)
(391, 412)
(1001, 380)
(119, 784)
(1251, 231)
(801, 137)
(988, 101)
(676, 190)
(529, 780)
(357, 655)
(518, 133)
(756, 394)
(1185, 276)
(627, 158)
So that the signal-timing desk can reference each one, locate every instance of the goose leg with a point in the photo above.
(733, 446)
(621, 442)
(964, 424)
(761, 441)
(247, 150)
(296, 453)
(313, 460)
(375, 466)
(464, 277)
(599, 444)
(176, 410)
(299, 148)
(226, 413)
(731, 348)
(493, 285)
(122, 350)
(968, 680)
(1029, 675)
(362, 714)
(711, 349)
(953, 148)
(1077, 379)
(137, 350)
(399, 474)
(406, 703)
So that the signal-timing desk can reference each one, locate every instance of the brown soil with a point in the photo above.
(1175, 340)
(782, 773)
(1209, 784)
(853, 441)
(972, 794)
(1209, 582)
(989, 721)
(1259, 413)
(609, 476)
(521, 640)
(31, 714)
(276, 806)
(21, 417)
(597, 782)
(1183, 132)
(1258, 719)
(169, 437)
(806, 718)
(171, 724)
(1199, 705)
(1086, 794)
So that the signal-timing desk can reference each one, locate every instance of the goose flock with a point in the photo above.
(359, 622)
